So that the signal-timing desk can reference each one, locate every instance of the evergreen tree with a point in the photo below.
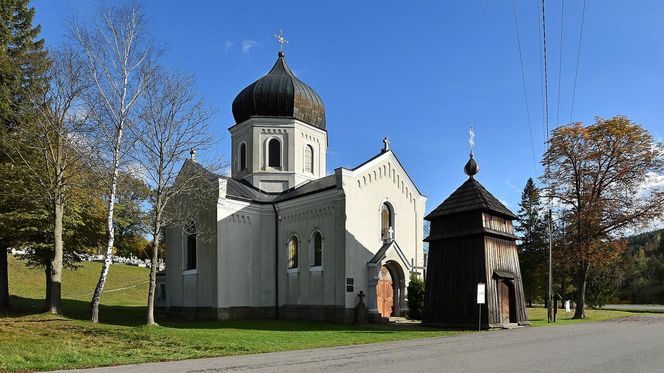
(532, 246)
(23, 61)
(23, 64)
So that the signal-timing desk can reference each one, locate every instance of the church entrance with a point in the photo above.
(385, 293)
(507, 301)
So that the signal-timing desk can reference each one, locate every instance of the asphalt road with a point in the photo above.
(635, 344)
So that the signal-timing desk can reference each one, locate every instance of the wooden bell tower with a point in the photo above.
(472, 241)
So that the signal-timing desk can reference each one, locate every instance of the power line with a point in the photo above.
(546, 79)
(560, 59)
(539, 38)
(578, 55)
(525, 91)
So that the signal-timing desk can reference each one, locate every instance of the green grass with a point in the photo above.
(27, 339)
(34, 341)
(538, 317)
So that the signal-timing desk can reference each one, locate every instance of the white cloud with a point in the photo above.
(227, 45)
(652, 182)
(247, 45)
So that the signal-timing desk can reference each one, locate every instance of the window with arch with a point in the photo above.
(274, 153)
(309, 159)
(190, 254)
(317, 249)
(293, 248)
(386, 223)
(243, 157)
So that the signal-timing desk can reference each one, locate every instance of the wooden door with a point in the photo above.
(384, 293)
(504, 293)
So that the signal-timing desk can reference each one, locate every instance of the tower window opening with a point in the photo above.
(274, 153)
(243, 157)
(308, 159)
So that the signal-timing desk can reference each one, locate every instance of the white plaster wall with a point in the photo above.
(307, 285)
(197, 288)
(293, 135)
(366, 188)
(245, 254)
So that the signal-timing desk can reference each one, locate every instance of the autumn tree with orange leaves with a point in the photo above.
(597, 177)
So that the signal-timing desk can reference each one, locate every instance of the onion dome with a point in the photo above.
(280, 94)
(471, 168)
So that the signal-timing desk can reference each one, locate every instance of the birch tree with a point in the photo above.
(119, 61)
(174, 123)
(51, 150)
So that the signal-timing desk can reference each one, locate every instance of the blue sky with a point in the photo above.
(420, 73)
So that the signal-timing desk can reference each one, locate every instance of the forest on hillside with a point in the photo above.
(642, 279)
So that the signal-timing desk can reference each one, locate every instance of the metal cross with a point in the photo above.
(280, 38)
(471, 141)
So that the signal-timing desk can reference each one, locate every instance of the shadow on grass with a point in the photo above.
(80, 310)
(134, 316)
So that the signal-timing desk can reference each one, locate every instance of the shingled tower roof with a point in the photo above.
(471, 196)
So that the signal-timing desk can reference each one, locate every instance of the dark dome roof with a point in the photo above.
(280, 94)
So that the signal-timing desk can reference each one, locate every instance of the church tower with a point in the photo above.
(279, 140)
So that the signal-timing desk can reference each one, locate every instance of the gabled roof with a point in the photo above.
(242, 190)
(471, 196)
(314, 186)
(382, 252)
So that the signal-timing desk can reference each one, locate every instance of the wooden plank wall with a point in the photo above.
(455, 266)
(501, 255)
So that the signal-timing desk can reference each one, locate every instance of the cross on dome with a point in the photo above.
(281, 40)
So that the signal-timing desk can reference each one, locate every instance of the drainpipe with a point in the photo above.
(276, 260)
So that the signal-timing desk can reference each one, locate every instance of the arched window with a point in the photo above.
(308, 159)
(386, 223)
(293, 248)
(274, 153)
(243, 157)
(190, 255)
(317, 254)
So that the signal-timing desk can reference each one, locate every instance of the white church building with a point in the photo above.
(286, 240)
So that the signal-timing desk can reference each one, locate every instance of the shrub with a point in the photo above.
(415, 297)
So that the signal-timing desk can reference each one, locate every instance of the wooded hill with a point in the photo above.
(643, 276)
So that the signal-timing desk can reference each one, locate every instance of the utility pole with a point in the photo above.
(550, 291)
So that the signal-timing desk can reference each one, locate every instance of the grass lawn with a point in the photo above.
(537, 316)
(33, 341)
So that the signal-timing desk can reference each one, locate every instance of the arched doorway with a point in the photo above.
(385, 293)
(390, 290)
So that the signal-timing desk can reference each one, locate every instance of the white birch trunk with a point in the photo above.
(96, 297)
